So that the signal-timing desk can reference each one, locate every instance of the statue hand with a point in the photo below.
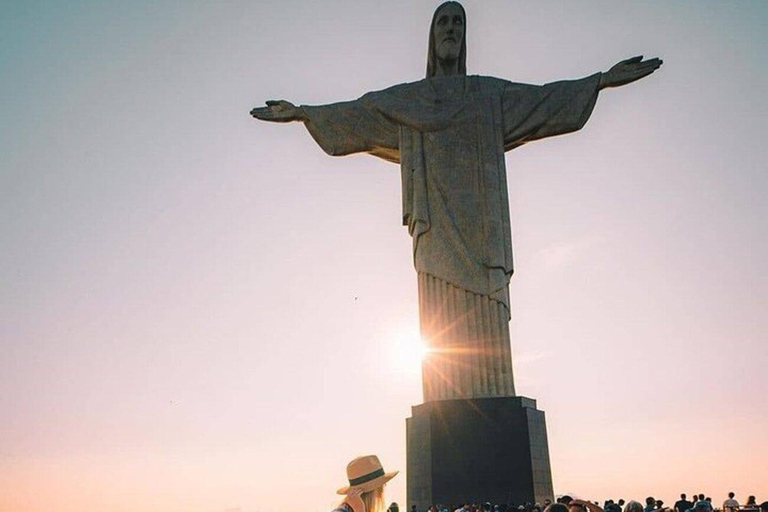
(627, 71)
(279, 112)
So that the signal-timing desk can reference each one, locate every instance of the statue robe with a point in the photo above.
(449, 135)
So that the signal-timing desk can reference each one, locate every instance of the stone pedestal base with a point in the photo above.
(477, 450)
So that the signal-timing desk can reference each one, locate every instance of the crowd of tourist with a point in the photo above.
(697, 503)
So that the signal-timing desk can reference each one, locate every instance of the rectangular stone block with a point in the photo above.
(476, 450)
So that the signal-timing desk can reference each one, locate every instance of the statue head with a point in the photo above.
(447, 38)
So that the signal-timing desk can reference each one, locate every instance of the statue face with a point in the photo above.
(449, 32)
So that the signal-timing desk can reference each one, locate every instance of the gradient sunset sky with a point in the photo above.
(202, 312)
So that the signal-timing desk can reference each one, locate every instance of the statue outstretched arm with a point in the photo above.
(279, 111)
(628, 71)
(533, 112)
(340, 128)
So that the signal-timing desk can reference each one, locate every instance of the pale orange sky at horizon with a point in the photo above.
(201, 312)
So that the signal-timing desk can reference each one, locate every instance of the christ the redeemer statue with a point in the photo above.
(449, 133)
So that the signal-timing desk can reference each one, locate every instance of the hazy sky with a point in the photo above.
(201, 312)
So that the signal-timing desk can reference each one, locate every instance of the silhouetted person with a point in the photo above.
(730, 505)
(702, 506)
(650, 504)
(702, 503)
(683, 504)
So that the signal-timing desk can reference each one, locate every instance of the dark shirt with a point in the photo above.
(683, 505)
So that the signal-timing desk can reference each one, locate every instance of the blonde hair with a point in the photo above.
(374, 500)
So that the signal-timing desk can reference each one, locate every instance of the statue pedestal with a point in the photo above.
(477, 450)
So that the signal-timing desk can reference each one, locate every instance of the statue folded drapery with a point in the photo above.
(449, 135)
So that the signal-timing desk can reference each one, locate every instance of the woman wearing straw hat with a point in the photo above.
(365, 492)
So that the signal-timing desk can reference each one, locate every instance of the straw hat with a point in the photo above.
(365, 473)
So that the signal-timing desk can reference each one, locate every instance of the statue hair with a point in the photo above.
(432, 54)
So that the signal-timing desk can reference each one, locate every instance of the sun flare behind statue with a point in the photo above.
(408, 349)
